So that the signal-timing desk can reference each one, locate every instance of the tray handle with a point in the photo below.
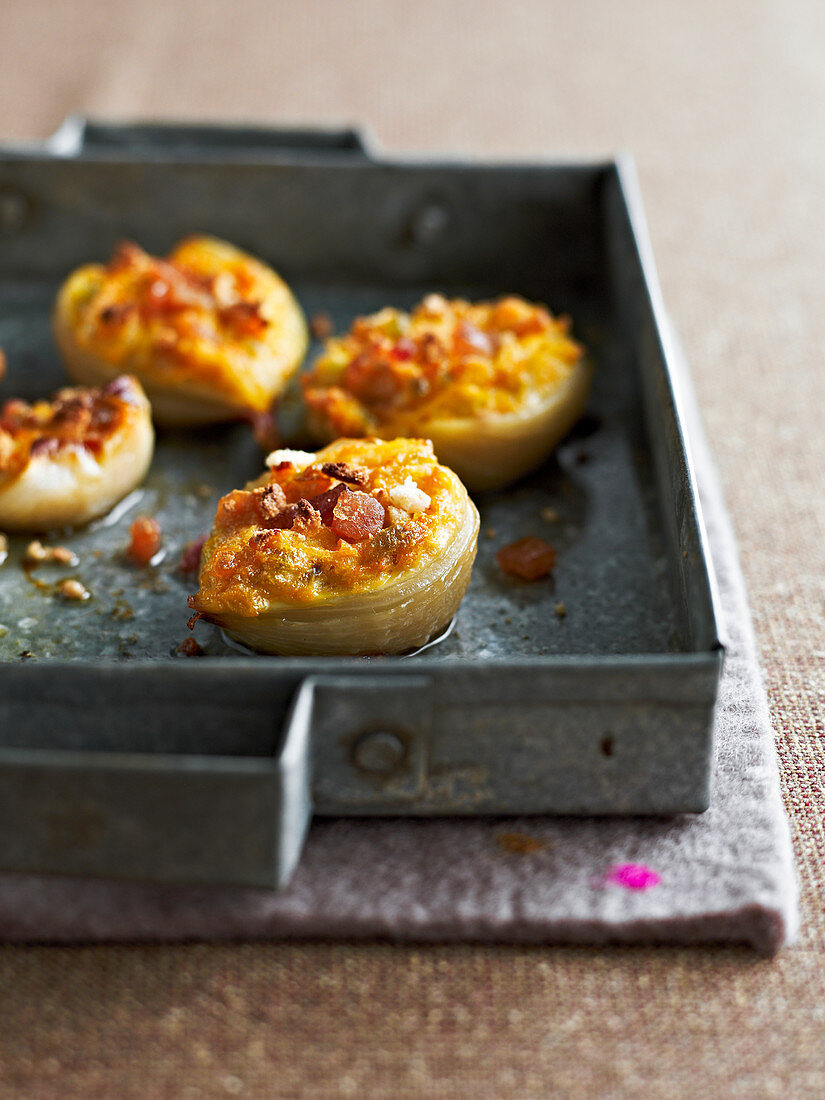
(183, 819)
(78, 135)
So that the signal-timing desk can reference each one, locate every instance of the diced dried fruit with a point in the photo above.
(325, 502)
(528, 558)
(265, 429)
(356, 516)
(190, 558)
(321, 326)
(145, 540)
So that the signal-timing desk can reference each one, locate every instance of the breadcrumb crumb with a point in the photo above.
(409, 497)
(73, 590)
(35, 551)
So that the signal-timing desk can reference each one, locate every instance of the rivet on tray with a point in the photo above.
(426, 225)
(380, 752)
(14, 211)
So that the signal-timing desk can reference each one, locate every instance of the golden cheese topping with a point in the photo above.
(315, 527)
(445, 360)
(208, 314)
(80, 418)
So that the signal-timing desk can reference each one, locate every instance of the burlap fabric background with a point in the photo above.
(724, 107)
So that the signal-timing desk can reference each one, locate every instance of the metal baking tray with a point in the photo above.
(120, 758)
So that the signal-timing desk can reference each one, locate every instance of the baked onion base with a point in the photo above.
(182, 397)
(402, 615)
(492, 452)
(72, 487)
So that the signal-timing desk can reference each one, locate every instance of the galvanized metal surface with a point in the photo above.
(604, 709)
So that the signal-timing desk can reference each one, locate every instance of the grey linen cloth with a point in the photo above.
(723, 876)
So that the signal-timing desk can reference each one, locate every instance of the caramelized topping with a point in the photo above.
(452, 357)
(158, 288)
(74, 418)
(303, 533)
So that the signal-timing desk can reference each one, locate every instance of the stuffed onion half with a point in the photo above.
(212, 333)
(363, 548)
(65, 461)
(494, 385)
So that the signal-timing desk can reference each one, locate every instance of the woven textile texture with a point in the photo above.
(723, 106)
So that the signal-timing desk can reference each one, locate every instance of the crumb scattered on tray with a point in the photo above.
(490, 532)
(528, 558)
(321, 326)
(63, 555)
(561, 609)
(520, 843)
(189, 648)
(36, 553)
(2, 363)
(550, 515)
(72, 589)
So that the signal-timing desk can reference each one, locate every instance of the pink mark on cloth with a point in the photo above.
(633, 876)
